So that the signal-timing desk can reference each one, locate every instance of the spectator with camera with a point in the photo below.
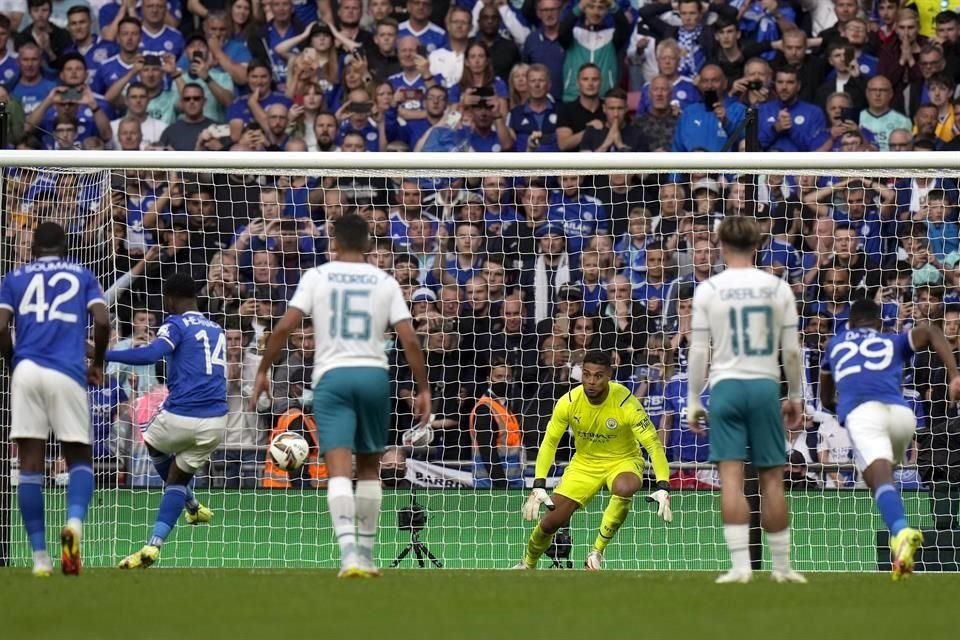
(199, 67)
(716, 123)
(73, 100)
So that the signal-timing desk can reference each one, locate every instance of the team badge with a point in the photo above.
(611, 423)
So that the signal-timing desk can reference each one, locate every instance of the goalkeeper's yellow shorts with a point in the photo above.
(582, 480)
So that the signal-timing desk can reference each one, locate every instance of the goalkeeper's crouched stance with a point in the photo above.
(608, 424)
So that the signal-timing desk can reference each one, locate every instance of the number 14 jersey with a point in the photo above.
(745, 312)
(197, 367)
(352, 305)
(867, 366)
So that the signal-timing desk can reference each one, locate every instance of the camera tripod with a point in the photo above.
(420, 550)
(413, 518)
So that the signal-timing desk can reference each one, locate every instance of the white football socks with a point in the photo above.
(738, 542)
(368, 499)
(342, 512)
(780, 549)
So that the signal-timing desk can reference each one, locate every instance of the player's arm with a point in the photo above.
(101, 338)
(698, 355)
(414, 354)
(159, 348)
(646, 435)
(6, 337)
(559, 422)
(791, 356)
(927, 335)
(277, 341)
(828, 391)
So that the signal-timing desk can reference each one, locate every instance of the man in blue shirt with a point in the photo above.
(159, 38)
(710, 127)
(49, 301)
(122, 64)
(788, 123)
(32, 87)
(282, 27)
(94, 49)
(534, 123)
(74, 99)
(191, 424)
(9, 69)
(542, 45)
(860, 378)
(429, 35)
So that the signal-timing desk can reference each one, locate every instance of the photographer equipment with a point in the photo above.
(413, 518)
(560, 550)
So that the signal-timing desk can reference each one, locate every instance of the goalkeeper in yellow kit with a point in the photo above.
(608, 423)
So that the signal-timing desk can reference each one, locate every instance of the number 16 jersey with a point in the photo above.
(352, 305)
(867, 366)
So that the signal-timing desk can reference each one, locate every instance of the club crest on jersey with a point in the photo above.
(611, 423)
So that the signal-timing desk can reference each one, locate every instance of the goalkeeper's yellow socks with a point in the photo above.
(613, 517)
(539, 541)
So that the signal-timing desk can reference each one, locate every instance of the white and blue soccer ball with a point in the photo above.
(289, 451)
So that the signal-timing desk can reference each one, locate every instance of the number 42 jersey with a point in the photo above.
(867, 366)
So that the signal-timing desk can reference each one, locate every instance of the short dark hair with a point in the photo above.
(49, 237)
(585, 66)
(33, 4)
(723, 23)
(788, 69)
(4, 22)
(82, 8)
(742, 233)
(351, 232)
(130, 20)
(617, 92)
(945, 17)
(864, 312)
(596, 356)
(180, 285)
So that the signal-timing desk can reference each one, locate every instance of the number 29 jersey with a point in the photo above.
(867, 366)
(50, 300)
(352, 305)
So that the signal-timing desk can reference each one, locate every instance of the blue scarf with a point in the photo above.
(692, 56)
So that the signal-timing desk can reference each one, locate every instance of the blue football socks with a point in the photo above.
(30, 499)
(171, 505)
(891, 508)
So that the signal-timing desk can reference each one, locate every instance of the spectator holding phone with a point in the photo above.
(715, 123)
(198, 67)
(354, 117)
(488, 129)
(478, 75)
(845, 76)
(534, 123)
(74, 100)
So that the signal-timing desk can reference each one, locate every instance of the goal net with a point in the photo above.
(514, 267)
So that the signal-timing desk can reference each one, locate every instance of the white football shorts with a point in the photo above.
(44, 400)
(880, 431)
(192, 440)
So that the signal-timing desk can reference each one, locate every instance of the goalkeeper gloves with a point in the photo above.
(662, 497)
(531, 508)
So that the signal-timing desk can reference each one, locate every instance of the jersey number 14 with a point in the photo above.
(217, 357)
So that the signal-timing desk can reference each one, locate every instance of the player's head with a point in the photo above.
(49, 239)
(865, 313)
(739, 235)
(351, 234)
(597, 370)
(179, 293)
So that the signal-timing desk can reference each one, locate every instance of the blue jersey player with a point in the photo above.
(191, 423)
(49, 300)
(860, 378)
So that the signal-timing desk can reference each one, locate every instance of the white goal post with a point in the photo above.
(490, 291)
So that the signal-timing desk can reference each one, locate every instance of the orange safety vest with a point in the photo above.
(510, 434)
(276, 478)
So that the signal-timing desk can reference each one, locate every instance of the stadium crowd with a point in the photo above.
(510, 280)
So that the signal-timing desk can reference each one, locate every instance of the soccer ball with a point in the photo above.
(289, 451)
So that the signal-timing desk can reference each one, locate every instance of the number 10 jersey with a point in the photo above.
(746, 312)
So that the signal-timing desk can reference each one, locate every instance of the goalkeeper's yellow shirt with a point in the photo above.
(603, 433)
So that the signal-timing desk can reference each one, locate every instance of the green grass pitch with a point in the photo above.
(103, 604)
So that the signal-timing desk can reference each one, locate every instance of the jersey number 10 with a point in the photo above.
(746, 337)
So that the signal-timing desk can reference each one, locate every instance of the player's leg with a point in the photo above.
(550, 523)
(767, 451)
(372, 407)
(623, 482)
(30, 428)
(70, 420)
(79, 457)
(880, 434)
(336, 430)
(162, 462)
(728, 449)
(30, 451)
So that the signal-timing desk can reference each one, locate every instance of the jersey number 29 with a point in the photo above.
(877, 355)
(218, 355)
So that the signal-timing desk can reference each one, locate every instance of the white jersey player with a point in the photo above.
(749, 318)
(352, 304)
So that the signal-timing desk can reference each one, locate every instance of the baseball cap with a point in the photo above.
(423, 294)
